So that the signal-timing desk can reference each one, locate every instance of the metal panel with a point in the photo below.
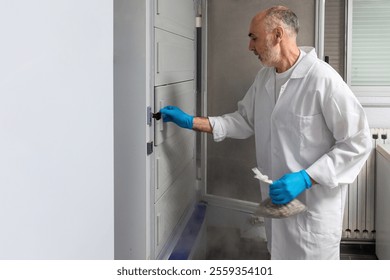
(174, 73)
(361, 202)
(171, 158)
(352, 218)
(370, 195)
(174, 58)
(174, 145)
(382, 200)
(133, 54)
(176, 16)
(181, 95)
(359, 216)
(172, 205)
(346, 231)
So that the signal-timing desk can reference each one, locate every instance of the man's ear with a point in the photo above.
(279, 33)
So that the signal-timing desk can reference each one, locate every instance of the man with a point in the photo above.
(310, 131)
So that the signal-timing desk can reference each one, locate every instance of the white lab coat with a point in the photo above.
(318, 125)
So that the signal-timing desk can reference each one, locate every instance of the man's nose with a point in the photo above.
(251, 45)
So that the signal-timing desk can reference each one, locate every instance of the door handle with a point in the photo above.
(156, 116)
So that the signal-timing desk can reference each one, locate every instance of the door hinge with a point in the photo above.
(149, 116)
(149, 148)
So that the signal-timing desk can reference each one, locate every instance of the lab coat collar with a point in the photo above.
(305, 64)
(300, 70)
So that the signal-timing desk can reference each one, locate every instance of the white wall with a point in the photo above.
(56, 129)
(378, 116)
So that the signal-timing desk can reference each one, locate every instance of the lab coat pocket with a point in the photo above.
(314, 137)
(321, 236)
(325, 210)
(319, 224)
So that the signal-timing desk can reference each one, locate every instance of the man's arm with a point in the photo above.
(182, 119)
(345, 118)
(202, 124)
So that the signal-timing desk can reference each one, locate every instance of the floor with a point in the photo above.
(226, 244)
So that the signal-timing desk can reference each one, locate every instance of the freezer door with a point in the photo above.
(175, 147)
(174, 58)
(175, 16)
(174, 180)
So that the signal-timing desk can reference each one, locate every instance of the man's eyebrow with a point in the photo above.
(251, 35)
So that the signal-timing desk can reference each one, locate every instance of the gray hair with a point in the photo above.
(279, 14)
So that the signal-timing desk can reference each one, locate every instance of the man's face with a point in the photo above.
(262, 44)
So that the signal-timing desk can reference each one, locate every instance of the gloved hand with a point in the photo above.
(174, 114)
(288, 187)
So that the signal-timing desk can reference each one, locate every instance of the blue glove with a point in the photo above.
(174, 114)
(288, 187)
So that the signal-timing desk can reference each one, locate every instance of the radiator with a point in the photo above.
(359, 215)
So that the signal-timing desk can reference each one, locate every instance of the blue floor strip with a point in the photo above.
(187, 240)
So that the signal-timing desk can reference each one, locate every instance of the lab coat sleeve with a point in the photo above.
(346, 120)
(239, 124)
